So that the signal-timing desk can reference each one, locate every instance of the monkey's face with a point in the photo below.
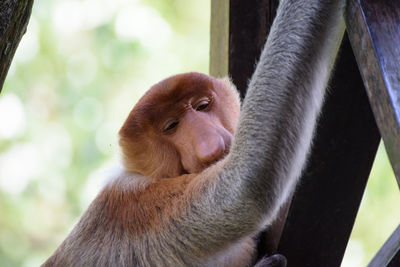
(181, 125)
(197, 133)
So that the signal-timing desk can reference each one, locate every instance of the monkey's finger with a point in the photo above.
(276, 260)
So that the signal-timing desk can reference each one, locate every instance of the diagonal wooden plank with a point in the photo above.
(389, 253)
(374, 32)
(326, 202)
(395, 261)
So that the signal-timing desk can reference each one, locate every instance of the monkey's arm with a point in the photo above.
(275, 128)
(284, 98)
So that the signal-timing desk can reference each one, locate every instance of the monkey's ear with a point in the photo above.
(133, 153)
(143, 152)
(134, 144)
(135, 124)
(150, 157)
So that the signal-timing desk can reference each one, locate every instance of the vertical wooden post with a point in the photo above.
(219, 39)
(238, 32)
(249, 24)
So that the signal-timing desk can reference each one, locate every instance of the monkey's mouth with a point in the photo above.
(201, 166)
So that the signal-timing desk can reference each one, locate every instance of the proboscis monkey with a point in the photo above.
(191, 194)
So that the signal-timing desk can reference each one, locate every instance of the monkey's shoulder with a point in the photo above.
(137, 196)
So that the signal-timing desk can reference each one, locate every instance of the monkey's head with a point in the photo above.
(181, 125)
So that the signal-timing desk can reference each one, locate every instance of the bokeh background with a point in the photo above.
(78, 71)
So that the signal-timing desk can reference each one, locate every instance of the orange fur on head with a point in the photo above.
(144, 148)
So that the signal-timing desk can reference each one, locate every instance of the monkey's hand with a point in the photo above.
(276, 260)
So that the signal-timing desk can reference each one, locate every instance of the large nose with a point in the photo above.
(209, 147)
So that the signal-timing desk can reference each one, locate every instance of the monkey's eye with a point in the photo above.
(202, 105)
(170, 125)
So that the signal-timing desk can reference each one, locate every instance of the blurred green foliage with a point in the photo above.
(78, 71)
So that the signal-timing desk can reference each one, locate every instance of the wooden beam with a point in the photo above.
(389, 254)
(238, 32)
(249, 24)
(395, 261)
(374, 31)
(326, 202)
(14, 17)
(219, 38)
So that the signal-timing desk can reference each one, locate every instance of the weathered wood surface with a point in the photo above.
(14, 17)
(374, 31)
(326, 202)
(389, 254)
